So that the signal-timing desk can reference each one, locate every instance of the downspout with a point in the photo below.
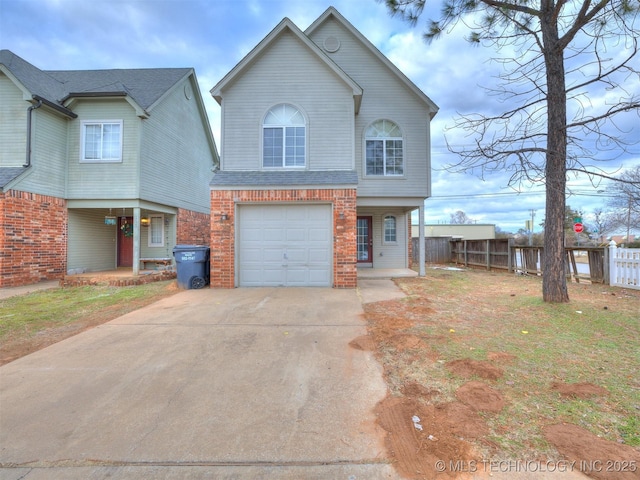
(29, 113)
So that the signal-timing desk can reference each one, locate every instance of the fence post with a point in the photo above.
(612, 262)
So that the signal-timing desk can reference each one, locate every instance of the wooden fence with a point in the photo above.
(437, 249)
(528, 260)
(503, 255)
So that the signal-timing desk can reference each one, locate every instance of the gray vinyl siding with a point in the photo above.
(91, 244)
(289, 73)
(104, 180)
(48, 154)
(165, 251)
(13, 124)
(177, 160)
(388, 255)
(385, 96)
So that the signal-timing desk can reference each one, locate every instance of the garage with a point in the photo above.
(284, 245)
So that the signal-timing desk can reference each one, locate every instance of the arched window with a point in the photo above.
(284, 137)
(383, 149)
(390, 230)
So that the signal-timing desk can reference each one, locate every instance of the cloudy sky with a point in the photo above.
(213, 35)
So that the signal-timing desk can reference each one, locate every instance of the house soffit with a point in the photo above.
(285, 25)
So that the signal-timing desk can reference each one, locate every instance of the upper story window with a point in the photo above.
(390, 229)
(383, 149)
(101, 141)
(284, 138)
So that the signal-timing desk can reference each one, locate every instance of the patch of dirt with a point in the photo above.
(414, 389)
(480, 396)
(402, 342)
(363, 342)
(419, 436)
(501, 357)
(468, 368)
(579, 390)
(595, 457)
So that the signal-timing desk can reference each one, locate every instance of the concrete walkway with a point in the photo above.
(243, 383)
(35, 287)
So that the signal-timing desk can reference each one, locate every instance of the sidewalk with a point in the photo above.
(14, 291)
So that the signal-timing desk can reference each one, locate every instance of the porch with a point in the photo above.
(368, 273)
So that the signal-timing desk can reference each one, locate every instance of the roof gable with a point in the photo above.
(332, 14)
(144, 87)
(285, 25)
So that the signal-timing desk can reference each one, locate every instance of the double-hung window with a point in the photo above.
(384, 154)
(101, 141)
(390, 229)
(156, 230)
(284, 138)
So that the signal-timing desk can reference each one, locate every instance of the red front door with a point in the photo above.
(364, 240)
(125, 241)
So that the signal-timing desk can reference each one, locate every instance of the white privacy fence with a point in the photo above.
(624, 266)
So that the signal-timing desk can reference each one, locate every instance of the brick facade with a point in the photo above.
(33, 238)
(192, 228)
(223, 230)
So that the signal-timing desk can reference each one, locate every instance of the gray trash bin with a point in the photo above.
(192, 265)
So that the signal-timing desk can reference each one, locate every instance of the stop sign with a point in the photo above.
(578, 227)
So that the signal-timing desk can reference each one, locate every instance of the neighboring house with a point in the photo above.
(622, 239)
(464, 231)
(325, 154)
(99, 168)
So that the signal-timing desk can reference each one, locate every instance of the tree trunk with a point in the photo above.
(554, 282)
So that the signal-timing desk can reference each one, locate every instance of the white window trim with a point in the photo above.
(83, 125)
(283, 127)
(384, 236)
(149, 236)
(384, 139)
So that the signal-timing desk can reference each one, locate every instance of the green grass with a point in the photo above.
(26, 315)
(581, 341)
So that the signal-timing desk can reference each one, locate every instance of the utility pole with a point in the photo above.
(533, 215)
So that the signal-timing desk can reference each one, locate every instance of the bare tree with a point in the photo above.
(604, 223)
(561, 54)
(625, 199)
(460, 217)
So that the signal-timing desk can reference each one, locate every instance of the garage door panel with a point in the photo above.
(288, 245)
(318, 255)
(273, 234)
(296, 234)
(272, 255)
(318, 277)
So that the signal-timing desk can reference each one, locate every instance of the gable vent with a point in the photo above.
(331, 44)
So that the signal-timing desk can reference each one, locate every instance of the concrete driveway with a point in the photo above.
(243, 383)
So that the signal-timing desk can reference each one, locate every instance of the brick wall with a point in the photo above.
(33, 238)
(223, 231)
(192, 228)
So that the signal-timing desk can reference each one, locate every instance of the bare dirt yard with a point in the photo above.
(482, 374)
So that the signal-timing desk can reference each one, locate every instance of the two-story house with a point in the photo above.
(99, 169)
(325, 153)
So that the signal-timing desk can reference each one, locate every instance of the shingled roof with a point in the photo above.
(145, 86)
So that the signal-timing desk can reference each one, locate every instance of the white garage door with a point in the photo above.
(284, 245)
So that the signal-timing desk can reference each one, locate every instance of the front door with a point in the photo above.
(125, 241)
(364, 240)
